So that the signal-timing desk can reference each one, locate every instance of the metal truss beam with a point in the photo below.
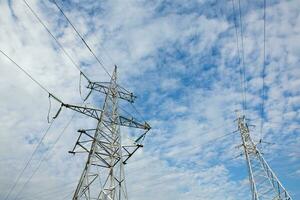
(103, 87)
(264, 183)
(103, 177)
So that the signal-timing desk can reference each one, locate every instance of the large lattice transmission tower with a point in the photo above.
(103, 176)
(263, 182)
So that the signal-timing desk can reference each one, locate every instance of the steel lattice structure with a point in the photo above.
(103, 177)
(263, 182)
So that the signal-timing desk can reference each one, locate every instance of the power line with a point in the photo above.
(46, 132)
(222, 136)
(56, 40)
(243, 59)
(203, 134)
(49, 190)
(53, 195)
(137, 111)
(28, 161)
(30, 76)
(67, 196)
(211, 140)
(45, 157)
(263, 75)
(40, 142)
(49, 193)
(25, 72)
(82, 39)
(238, 51)
(33, 79)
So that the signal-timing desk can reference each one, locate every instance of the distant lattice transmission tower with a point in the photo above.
(103, 176)
(263, 181)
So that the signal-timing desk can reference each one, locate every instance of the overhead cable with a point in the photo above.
(56, 40)
(25, 72)
(243, 60)
(44, 158)
(263, 94)
(44, 135)
(238, 53)
(28, 161)
(30, 76)
(82, 39)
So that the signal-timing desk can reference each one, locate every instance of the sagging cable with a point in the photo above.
(56, 115)
(49, 110)
(49, 98)
(80, 91)
(80, 74)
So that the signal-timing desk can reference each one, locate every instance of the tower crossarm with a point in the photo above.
(103, 87)
(88, 111)
(129, 150)
(95, 113)
(131, 122)
(85, 139)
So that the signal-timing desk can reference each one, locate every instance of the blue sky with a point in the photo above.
(180, 59)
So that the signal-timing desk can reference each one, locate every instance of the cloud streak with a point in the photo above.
(181, 61)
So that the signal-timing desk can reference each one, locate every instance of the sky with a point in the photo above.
(181, 59)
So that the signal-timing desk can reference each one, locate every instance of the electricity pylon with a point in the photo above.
(263, 181)
(103, 176)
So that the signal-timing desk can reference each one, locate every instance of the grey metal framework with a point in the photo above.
(103, 177)
(263, 181)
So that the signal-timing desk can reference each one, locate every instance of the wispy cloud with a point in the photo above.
(181, 61)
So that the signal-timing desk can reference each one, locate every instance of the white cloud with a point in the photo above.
(188, 107)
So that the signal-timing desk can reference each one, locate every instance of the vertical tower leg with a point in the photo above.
(263, 182)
